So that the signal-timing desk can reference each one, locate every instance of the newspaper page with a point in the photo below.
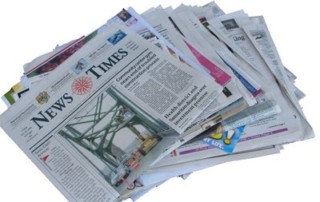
(72, 125)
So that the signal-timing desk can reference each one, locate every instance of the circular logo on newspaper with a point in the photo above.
(81, 85)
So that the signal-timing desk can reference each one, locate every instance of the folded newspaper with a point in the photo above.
(147, 97)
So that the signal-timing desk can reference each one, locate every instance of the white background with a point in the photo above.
(30, 28)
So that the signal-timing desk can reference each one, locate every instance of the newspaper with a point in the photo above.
(134, 23)
(145, 98)
(70, 125)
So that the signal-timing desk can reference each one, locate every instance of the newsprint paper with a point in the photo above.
(107, 113)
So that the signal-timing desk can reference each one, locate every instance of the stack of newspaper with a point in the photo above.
(147, 97)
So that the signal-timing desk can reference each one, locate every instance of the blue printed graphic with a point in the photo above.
(245, 82)
(114, 39)
(226, 141)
